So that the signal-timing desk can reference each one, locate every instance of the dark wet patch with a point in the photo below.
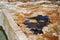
(37, 31)
(38, 26)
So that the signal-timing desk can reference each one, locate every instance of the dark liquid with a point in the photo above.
(38, 26)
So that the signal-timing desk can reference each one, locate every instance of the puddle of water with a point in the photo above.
(2, 34)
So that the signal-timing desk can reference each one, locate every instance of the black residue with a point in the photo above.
(38, 25)
(36, 31)
(18, 24)
(40, 17)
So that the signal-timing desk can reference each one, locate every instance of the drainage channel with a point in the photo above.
(3, 36)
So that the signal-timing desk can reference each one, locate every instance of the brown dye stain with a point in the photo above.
(50, 37)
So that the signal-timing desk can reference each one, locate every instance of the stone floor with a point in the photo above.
(2, 34)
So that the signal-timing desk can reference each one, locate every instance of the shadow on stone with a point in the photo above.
(3, 35)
